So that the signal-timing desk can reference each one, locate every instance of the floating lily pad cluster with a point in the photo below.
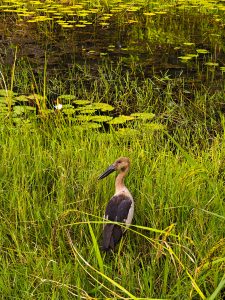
(94, 115)
(17, 106)
(196, 53)
(83, 113)
(83, 13)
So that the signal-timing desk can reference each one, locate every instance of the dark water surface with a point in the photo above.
(154, 43)
(161, 42)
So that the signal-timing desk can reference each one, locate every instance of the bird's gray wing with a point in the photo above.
(117, 210)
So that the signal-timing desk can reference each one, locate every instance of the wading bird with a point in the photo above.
(120, 207)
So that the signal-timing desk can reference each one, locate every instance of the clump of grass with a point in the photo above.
(173, 102)
(52, 205)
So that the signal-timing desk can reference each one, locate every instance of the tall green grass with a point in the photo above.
(51, 208)
(51, 203)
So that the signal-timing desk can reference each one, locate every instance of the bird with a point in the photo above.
(120, 207)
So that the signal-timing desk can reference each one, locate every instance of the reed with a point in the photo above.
(52, 206)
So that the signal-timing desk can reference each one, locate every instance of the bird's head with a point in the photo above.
(121, 165)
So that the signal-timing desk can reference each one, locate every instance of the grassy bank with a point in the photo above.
(101, 62)
(51, 206)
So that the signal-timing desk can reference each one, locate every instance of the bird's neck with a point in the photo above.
(119, 184)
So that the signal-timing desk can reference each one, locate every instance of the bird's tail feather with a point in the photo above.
(107, 237)
(111, 236)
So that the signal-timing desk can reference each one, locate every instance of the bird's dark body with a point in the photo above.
(117, 210)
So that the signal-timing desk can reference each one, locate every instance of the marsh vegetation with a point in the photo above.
(85, 82)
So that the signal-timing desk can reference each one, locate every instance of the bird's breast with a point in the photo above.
(130, 215)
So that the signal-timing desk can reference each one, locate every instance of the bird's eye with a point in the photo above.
(119, 161)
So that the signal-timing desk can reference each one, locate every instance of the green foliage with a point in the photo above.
(127, 104)
(51, 209)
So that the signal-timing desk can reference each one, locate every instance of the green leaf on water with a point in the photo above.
(121, 120)
(3, 108)
(211, 64)
(30, 108)
(91, 125)
(81, 102)
(185, 58)
(100, 106)
(188, 44)
(3, 100)
(7, 93)
(149, 14)
(19, 109)
(143, 116)
(202, 51)
(22, 98)
(88, 111)
(101, 118)
(68, 111)
(83, 118)
(192, 55)
(67, 106)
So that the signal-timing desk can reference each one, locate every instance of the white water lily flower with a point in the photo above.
(58, 106)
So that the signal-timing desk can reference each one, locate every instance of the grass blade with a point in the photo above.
(218, 289)
(96, 249)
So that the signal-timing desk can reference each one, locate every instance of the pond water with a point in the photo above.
(158, 37)
(77, 43)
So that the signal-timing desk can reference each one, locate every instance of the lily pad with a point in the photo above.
(19, 109)
(91, 125)
(202, 51)
(211, 64)
(144, 116)
(7, 93)
(68, 111)
(83, 118)
(100, 106)
(192, 55)
(88, 111)
(185, 58)
(3, 109)
(188, 44)
(100, 119)
(81, 102)
(149, 14)
(121, 120)
(22, 98)
(67, 106)
(3, 100)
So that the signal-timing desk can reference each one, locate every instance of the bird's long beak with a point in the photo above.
(109, 170)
